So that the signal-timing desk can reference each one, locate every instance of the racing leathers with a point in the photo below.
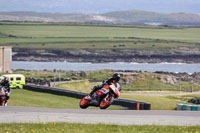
(98, 87)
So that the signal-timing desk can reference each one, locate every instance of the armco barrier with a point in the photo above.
(130, 104)
(188, 107)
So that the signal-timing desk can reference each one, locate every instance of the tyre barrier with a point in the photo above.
(188, 107)
(130, 104)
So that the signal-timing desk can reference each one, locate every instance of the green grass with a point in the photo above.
(184, 97)
(83, 36)
(156, 85)
(91, 75)
(136, 85)
(157, 102)
(36, 99)
(45, 75)
(183, 34)
(92, 128)
(83, 86)
(100, 75)
(149, 85)
(144, 82)
(100, 46)
(160, 102)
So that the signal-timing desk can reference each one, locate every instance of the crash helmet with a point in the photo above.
(5, 80)
(116, 77)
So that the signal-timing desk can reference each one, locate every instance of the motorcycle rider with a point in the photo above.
(114, 79)
(5, 83)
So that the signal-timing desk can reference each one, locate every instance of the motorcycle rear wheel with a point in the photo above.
(2, 100)
(107, 103)
(84, 103)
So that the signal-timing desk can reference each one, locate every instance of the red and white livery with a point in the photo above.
(102, 98)
(2, 96)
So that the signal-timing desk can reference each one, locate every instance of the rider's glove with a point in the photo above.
(104, 82)
(93, 88)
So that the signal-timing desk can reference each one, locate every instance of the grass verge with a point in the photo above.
(157, 102)
(36, 99)
(92, 128)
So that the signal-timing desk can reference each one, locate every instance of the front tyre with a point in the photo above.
(84, 103)
(106, 103)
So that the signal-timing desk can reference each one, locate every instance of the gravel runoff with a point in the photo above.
(12, 114)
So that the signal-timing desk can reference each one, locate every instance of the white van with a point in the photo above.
(16, 80)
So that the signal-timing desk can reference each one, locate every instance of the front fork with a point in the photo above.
(107, 96)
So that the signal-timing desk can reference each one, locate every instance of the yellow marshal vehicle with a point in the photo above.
(16, 80)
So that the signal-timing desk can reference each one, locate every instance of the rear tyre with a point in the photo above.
(84, 103)
(2, 100)
(18, 87)
(105, 104)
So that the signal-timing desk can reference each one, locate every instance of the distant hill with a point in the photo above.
(136, 16)
(118, 17)
(53, 17)
(184, 18)
(145, 17)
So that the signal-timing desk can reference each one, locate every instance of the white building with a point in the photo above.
(5, 59)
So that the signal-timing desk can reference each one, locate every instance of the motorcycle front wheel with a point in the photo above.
(84, 103)
(106, 103)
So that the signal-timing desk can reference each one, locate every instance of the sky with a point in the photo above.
(100, 6)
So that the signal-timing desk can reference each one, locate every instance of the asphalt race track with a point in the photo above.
(123, 117)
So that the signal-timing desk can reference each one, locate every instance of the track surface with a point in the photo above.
(122, 117)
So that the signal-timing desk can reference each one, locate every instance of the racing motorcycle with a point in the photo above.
(2, 96)
(102, 98)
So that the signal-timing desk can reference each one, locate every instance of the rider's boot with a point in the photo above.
(91, 96)
(94, 89)
(6, 103)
